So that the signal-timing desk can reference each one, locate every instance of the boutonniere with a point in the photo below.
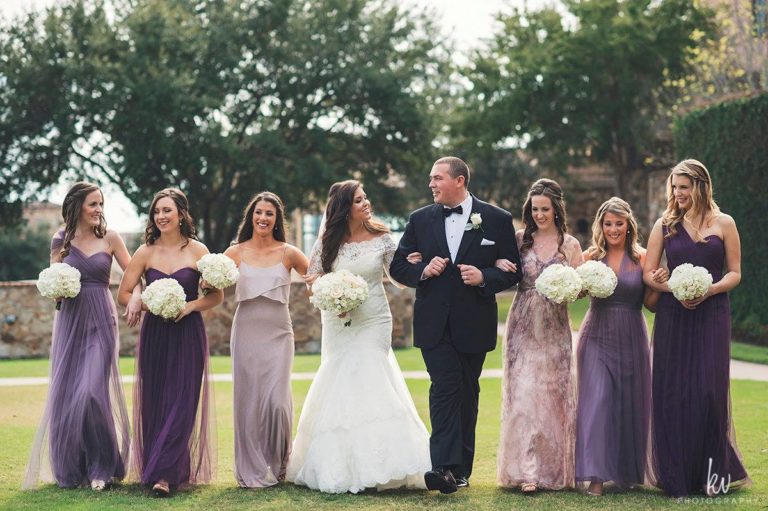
(475, 222)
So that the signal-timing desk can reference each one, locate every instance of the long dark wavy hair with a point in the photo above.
(70, 212)
(245, 231)
(340, 198)
(548, 188)
(151, 233)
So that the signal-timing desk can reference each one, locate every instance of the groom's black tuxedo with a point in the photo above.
(469, 311)
(455, 324)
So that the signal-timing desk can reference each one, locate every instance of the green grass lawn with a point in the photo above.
(408, 358)
(749, 352)
(22, 408)
(578, 309)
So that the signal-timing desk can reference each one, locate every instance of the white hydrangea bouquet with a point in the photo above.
(339, 292)
(597, 279)
(559, 283)
(689, 282)
(164, 298)
(59, 280)
(218, 270)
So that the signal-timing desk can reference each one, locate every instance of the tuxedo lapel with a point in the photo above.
(438, 229)
(470, 236)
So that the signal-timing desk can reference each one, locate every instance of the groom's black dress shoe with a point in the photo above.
(462, 482)
(440, 479)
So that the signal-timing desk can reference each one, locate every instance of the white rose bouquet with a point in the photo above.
(218, 270)
(689, 282)
(164, 298)
(597, 279)
(559, 283)
(59, 280)
(339, 292)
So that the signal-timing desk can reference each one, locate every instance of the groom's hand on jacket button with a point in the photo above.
(436, 266)
(470, 275)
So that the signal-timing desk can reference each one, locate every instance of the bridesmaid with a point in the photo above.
(693, 444)
(538, 398)
(171, 394)
(262, 357)
(613, 361)
(85, 419)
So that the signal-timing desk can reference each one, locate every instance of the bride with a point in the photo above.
(359, 427)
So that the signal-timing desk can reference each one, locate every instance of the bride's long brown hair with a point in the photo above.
(340, 198)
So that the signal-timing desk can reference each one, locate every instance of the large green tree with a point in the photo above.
(581, 82)
(223, 98)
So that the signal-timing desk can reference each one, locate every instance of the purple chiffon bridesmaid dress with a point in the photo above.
(693, 436)
(614, 385)
(262, 357)
(84, 434)
(171, 395)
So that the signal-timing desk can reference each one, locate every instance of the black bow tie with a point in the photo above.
(449, 211)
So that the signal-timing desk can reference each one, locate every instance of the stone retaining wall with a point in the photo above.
(26, 319)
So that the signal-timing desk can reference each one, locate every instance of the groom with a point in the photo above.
(455, 318)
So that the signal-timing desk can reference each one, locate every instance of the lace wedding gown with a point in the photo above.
(359, 427)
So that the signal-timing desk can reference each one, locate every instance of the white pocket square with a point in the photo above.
(487, 243)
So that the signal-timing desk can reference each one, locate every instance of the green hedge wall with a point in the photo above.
(731, 139)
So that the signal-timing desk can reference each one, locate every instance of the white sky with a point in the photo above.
(475, 17)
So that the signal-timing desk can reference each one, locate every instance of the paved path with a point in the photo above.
(739, 371)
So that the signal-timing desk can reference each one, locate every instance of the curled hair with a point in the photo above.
(70, 212)
(340, 199)
(547, 188)
(702, 203)
(456, 167)
(187, 225)
(621, 208)
(245, 231)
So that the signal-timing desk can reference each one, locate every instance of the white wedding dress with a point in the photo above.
(359, 427)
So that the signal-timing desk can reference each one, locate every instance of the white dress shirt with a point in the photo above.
(454, 226)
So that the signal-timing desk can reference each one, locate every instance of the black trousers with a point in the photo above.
(453, 400)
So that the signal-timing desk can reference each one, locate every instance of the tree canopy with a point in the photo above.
(223, 98)
(581, 81)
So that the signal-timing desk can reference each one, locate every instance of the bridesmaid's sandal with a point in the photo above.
(528, 488)
(595, 490)
(98, 485)
(161, 488)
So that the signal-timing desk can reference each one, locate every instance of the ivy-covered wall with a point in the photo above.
(731, 139)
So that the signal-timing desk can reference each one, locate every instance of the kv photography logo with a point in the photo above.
(716, 485)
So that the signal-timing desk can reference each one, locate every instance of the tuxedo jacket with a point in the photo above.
(469, 311)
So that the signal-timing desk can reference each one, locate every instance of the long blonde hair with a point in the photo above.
(621, 208)
(703, 205)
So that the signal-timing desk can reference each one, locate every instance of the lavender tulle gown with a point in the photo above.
(83, 435)
(614, 385)
(171, 395)
(691, 420)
